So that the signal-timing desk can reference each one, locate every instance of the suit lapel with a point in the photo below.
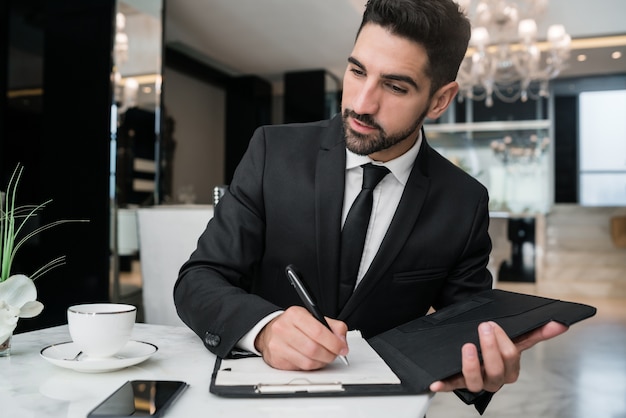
(402, 225)
(329, 190)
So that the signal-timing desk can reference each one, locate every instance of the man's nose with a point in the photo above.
(367, 100)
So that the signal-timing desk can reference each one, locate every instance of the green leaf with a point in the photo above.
(12, 221)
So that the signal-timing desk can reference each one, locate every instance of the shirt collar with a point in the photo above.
(400, 167)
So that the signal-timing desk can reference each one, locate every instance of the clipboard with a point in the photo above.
(368, 374)
(421, 351)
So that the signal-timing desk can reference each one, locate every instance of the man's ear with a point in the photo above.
(442, 99)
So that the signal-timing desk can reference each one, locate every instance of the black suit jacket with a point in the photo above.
(284, 206)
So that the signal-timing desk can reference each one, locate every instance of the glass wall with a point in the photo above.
(510, 158)
(136, 124)
(136, 134)
(508, 148)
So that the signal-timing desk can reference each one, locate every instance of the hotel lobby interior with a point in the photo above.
(130, 113)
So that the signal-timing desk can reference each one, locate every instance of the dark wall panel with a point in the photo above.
(566, 149)
(248, 106)
(305, 96)
(63, 143)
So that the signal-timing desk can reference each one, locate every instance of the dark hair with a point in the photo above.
(438, 25)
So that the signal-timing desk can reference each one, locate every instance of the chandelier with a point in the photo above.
(504, 57)
(520, 148)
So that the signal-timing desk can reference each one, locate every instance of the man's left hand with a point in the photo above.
(501, 358)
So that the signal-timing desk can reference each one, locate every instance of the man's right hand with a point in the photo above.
(295, 340)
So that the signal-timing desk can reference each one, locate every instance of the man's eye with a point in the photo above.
(397, 89)
(357, 72)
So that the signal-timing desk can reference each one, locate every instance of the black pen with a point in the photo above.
(308, 300)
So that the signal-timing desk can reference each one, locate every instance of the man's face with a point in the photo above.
(385, 94)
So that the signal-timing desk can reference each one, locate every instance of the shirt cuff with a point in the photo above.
(247, 341)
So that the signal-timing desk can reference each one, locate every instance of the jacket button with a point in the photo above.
(212, 340)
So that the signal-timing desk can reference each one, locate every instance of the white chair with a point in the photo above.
(167, 237)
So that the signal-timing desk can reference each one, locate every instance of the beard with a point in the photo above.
(362, 144)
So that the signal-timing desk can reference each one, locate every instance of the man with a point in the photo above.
(427, 243)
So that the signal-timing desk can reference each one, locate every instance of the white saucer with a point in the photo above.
(134, 352)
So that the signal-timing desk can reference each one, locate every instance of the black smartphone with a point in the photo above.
(139, 398)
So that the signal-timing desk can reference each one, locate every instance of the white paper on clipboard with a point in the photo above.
(366, 367)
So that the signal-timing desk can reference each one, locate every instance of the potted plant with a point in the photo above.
(18, 294)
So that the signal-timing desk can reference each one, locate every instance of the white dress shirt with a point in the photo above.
(387, 196)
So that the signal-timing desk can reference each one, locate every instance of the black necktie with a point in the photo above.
(355, 229)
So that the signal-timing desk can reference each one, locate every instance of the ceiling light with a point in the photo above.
(616, 55)
(504, 57)
(581, 58)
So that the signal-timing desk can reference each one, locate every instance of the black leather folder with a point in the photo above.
(428, 349)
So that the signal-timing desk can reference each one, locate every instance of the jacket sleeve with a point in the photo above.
(212, 293)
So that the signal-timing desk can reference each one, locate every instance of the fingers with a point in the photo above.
(471, 376)
(295, 340)
(280, 343)
(340, 329)
(500, 363)
(550, 330)
(471, 368)
(448, 385)
(501, 358)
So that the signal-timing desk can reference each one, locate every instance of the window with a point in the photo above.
(602, 145)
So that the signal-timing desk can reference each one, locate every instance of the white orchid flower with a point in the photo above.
(18, 299)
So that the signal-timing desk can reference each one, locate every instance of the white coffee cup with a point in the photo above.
(100, 330)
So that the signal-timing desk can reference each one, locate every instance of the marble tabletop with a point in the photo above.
(30, 386)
